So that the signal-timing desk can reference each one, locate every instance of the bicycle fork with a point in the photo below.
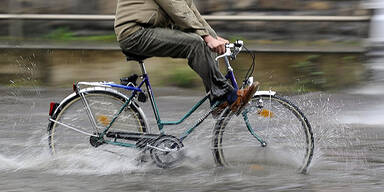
(250, 129)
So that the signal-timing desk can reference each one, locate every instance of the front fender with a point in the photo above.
(271, 93)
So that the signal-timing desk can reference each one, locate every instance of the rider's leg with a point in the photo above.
(177, 44)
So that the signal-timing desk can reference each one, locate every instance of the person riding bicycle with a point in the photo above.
(175, 28)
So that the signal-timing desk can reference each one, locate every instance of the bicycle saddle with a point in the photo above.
(134, 57)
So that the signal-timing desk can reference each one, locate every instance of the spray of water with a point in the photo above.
(335, 141)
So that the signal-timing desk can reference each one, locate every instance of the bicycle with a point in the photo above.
(100, 115)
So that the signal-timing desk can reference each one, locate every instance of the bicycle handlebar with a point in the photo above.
(232, 49)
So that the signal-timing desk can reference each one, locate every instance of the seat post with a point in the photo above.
(142, 66)
(138, 58)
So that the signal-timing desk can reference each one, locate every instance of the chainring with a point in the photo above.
(167, 151)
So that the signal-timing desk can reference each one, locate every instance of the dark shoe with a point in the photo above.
(243, 97)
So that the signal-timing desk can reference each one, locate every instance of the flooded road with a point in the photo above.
(348, 127)
(349, 156)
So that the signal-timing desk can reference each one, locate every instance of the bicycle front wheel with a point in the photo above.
(270, 132)
(72, 127)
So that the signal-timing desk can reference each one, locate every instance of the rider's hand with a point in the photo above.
(222, 39)
(215, 45)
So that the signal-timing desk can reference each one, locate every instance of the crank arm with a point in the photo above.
(160, 149)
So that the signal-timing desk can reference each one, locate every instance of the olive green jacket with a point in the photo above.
(131, 15)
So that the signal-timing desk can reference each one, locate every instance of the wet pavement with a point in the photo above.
(348, 127)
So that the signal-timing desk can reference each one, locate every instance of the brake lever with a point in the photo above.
(237, 46)
(226, 54)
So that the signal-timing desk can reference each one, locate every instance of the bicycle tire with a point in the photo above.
(103, 104)
(284, 128)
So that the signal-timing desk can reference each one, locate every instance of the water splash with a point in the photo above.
(336, 142)
(35, 155)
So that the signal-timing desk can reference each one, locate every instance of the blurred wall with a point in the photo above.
(320, 7)
(323, 7)
(58, 67)
(251, 30)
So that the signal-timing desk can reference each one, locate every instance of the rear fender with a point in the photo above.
(70, 97)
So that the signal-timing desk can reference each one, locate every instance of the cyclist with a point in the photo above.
(175, 28)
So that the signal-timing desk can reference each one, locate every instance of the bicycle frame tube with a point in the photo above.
(190, 130)
(131, 88)
(118, 113)
(196, 106)
(230, 76)
(161, 123)
(135, 90)
(153, 102)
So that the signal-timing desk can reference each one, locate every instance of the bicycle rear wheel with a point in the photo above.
(71, 132)
(271, 119)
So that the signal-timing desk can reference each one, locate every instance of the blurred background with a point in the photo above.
(293, 54)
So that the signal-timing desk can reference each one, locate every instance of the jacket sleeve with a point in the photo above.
(203, 21)
(183, 15)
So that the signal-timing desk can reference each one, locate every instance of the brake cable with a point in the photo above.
(251, 68)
